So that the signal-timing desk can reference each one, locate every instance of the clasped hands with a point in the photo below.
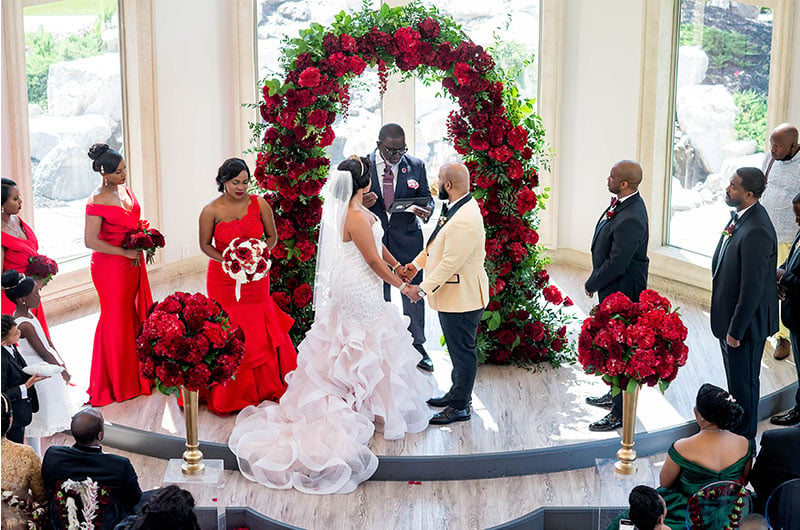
(407, 273)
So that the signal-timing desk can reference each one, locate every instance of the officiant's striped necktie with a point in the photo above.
(388, 186)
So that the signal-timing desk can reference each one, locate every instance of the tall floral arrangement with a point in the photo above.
(629, 343)
(187, 340)
(498, 135)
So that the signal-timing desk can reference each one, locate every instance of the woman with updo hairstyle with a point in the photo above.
(21, 476)
(120, 278)
(711, 455)
(19, 243)
(356, 367)
(269, 352)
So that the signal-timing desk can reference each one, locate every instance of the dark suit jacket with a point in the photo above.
(78, 462)
(619, 251)
(402, 234)
(776, 463)
(790, 283)
(744, 296)
(12, 378)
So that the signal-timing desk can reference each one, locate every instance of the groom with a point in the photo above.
(456, 286)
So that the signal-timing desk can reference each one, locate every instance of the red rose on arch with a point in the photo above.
(517, 137)
(552, 294)
(318, 118)
(429, 28)
(307, 250)
(501, 154)
(478, 142)
(282, 299)
(303, 295)
(309, 77)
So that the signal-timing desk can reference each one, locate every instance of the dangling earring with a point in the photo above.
(105, 182)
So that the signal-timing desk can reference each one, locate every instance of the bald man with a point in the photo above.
(781, 167)
(619, 259)
(87, 459)
(456, 285)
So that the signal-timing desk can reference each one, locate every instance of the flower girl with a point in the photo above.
(55, 406)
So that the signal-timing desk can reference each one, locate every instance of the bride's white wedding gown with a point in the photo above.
(356, 372)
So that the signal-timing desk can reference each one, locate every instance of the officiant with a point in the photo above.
(397, 176)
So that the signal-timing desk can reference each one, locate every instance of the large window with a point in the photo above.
(720, 122)
(275, 21)
(515, 45)
(74, 100)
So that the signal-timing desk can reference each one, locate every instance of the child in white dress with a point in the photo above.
(55, 405)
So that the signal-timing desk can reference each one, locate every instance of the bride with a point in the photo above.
(356, 368)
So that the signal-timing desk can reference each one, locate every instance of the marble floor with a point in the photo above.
(513, 409)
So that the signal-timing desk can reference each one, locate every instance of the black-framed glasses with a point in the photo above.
(392, 152)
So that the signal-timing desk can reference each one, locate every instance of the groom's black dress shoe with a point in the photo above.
(449, 415)
(426, 363)
(443, 401)
(607, 423)
(603, 401)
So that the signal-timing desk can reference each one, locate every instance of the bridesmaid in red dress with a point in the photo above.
(269, 352)
(120, 278)
(19, 244)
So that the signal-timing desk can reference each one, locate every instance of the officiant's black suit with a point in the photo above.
(744, 305)
(776, 463)
(619, 257)
(21, 408)
(402, 232)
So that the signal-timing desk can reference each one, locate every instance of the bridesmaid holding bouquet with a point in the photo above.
(269, 352)
(120, 278)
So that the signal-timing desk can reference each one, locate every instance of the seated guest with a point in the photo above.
(711, 455)
(169, 507)
(753, 521)
(22, 476)
(87, 459)
(777, 462)
(647, 509)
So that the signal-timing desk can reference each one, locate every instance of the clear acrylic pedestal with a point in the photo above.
(613, 489)
(207, 485)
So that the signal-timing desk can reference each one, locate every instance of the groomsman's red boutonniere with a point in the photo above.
(403, 170)
(611, 212)
(413, 184)
(729, 230)
(442, 220)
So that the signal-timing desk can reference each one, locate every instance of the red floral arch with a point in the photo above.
(499, 137)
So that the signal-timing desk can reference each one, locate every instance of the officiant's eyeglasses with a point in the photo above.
(391, 152)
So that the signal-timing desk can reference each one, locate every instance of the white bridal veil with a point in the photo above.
(336, 194)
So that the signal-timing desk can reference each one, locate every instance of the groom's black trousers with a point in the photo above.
(460, 333)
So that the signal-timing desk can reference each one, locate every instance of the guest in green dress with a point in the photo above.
(711, 455)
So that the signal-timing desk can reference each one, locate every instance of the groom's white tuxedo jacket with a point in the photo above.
(455, 280)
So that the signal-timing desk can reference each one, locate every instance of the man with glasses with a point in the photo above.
(397, 175)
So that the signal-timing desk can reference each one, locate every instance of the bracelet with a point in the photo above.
(395, 267)
(403, 285)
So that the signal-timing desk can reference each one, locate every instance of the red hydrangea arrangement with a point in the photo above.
(187, 340)
(630, 343)
(144, 238)
(41, 267)
(499, 136)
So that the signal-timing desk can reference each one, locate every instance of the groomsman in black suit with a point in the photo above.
(744, 297)
(398, 175)
(16, 384)
(788, 276)
(619, 259)
(776, 463)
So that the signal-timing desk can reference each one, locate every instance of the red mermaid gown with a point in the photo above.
(269, 352)
(16, 252)
(124, 293)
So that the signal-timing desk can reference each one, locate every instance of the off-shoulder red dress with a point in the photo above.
(16, 252)
(124, 293)
(269, 352)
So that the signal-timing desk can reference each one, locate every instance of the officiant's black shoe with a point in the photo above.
(426, 363)
(443, 401)
(790, 417)
(607, 423)
(603, 401)
(449, 415)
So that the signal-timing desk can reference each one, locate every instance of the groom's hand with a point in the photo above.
(407, 272)
(369, 199)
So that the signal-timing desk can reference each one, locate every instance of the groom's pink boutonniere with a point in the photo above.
(413, 184)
